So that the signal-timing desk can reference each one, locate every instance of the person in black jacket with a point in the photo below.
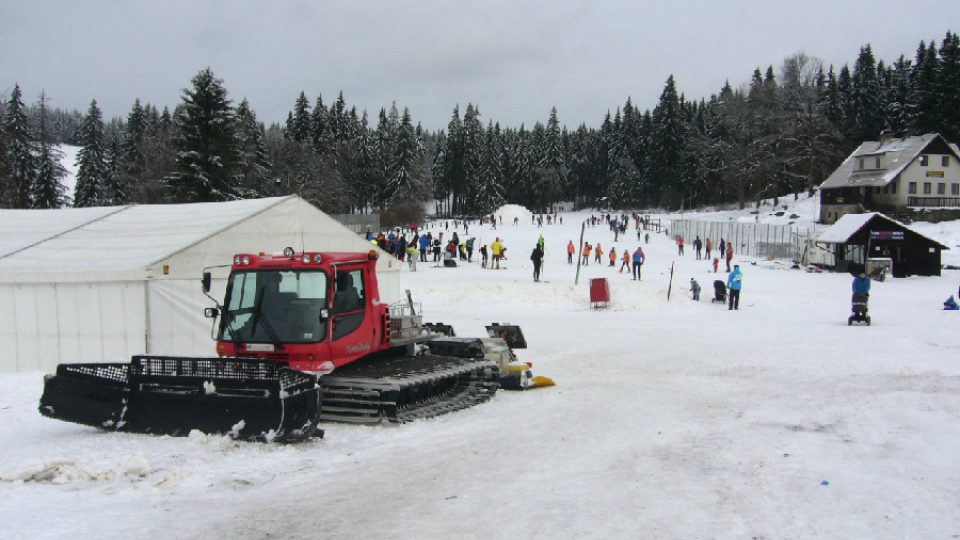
(537, 257)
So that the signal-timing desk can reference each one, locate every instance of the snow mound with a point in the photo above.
(508, 212)
(64, 471)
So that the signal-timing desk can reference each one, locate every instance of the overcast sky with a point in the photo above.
(513, 58)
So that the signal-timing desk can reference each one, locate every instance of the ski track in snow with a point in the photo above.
(671, 419)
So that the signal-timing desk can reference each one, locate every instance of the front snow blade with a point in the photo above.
(510, 333)
(246, 398)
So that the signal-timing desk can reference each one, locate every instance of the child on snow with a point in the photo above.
(695, 289)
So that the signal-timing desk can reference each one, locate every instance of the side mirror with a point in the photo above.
(205, 282)
(211, 312)
(324, 314)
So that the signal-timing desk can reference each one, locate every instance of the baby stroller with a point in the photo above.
(719, 291)
(859, 307)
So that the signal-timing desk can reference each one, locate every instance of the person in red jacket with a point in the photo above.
(729, 254)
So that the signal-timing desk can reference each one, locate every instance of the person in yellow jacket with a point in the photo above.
(613, 257)
(625, 261)
(571, 249)
(496, 251)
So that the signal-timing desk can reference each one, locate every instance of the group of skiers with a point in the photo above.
(627, 260)
(704, 248)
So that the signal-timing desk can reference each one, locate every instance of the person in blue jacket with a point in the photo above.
(734, 282)
(861, 284)
(638, 259)
(424, 247)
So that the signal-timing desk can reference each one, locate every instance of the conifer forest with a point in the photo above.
(779, 130)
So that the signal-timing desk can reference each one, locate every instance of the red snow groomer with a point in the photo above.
(301, 337)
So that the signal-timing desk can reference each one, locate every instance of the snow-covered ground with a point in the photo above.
(670, 419)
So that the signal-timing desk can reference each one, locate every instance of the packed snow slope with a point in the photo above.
(670, 419)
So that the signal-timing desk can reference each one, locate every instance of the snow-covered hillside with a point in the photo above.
(671, 419)
(69, 162)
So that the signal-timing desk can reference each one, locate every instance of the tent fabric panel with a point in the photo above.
(295, 223)
(51, 323)
(122, 245)
(176, 322)
(20, 229)
(100, 322)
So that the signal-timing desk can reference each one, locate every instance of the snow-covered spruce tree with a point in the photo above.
(20, 158)
(667, 144)
(298, 124)
(208, 152)
(553, 166)
(624, 187)
(47, 187)
(364, 170)
(406, 178)
(865, 97)
(91, 160)
(489, 195)
(254, 159)
(472, 159)
(438, 167)
(948, 88)
(383, 150)
(320, 128)
(114, 189)
(830, 100)
(133, 162)
(451, 182)
(339, 120)
(582, 164)
(896, 96)
(844, 91)
(522, 174)
(924, 99)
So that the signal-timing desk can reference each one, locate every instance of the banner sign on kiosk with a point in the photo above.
(886, 235)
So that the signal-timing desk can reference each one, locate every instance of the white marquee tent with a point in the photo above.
(102, 284)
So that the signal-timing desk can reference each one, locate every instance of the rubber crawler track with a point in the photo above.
(405, 388)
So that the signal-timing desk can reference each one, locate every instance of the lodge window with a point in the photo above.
(912, 188)
(923, 160)
(876, 162)
(927, 188)
(893, 187)
(941, 189)
(860, 163)
(955, 189)
(945, 161)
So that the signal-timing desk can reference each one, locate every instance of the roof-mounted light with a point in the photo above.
(305, 258)
(245, 259)
(317, 258)
(372, 255)
(236, 259)
(288, 252)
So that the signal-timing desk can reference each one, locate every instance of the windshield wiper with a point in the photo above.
(258, 316)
